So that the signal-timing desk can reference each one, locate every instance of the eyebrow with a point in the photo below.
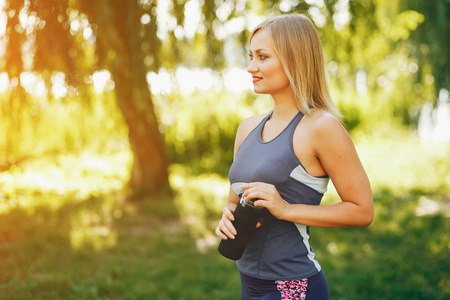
(259, 50)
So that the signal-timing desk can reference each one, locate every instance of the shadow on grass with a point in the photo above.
(107, 248)
(103, 248)
(400, 256)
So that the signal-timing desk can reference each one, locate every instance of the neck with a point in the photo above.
(284, 107)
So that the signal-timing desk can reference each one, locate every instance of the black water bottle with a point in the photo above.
(246, 215)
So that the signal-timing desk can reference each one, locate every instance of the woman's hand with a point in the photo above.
(267, 196)
(225, 229)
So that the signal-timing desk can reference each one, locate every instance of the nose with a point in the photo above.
(252, 68)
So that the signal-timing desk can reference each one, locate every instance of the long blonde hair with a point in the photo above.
(298, 47)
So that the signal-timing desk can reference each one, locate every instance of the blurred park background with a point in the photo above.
(117, 124)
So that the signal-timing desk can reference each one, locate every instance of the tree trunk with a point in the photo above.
(150, 166)
(149, 173)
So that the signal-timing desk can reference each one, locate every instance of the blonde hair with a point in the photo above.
(298, 47)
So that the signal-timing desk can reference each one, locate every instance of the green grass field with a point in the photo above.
(57, 242)
(152, 255)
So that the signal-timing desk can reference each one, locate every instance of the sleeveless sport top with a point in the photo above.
(278, 249)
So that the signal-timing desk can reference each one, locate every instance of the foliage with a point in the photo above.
(428, 47)
(200, 128)
(53, 128)
(53, 181)
(373, 72)
(385, 60)
(392, 164)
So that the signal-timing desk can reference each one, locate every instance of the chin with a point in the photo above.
(259, 91)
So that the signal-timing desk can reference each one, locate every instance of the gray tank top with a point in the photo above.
(278, 250)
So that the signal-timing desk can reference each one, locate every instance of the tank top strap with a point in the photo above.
(258, 129)
(286, 133)
(294, 123)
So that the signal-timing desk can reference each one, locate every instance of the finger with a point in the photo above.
(258, 195)
(230, 228)
(266, 189)
(260, 203)
(227, 212)
(220, 234)
(249, 191)
(227, 222)
(227, 228)
(249, 185)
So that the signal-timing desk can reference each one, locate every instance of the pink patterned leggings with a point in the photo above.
(311, 288)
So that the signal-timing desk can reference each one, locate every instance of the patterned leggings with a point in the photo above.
(310, 288)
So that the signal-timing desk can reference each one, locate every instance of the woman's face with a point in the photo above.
(268, 74)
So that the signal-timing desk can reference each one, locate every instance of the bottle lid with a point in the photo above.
(249, 203)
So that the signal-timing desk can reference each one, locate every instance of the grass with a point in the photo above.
(58, 244)
(151, 257)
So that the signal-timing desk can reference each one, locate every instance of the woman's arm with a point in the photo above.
(337, 155)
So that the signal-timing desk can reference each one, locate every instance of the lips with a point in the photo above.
(256, 78)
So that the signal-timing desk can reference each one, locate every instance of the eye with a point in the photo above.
(250, 56)
(262, 57)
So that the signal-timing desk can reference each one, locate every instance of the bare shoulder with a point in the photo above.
(246, 127)
(250, 123)
(331, 141)
(322, 132)
(323, 124)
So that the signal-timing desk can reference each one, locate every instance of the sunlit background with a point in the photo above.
(117, 122)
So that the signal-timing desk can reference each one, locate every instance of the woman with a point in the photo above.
(285, 159)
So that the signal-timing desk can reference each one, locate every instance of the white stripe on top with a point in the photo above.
(304, 233)
(237, 188)
(317, 183)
